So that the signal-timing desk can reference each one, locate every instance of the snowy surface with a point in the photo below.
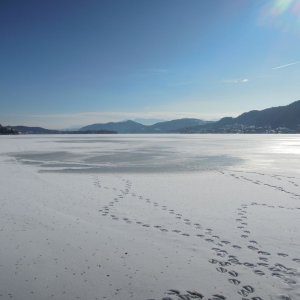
(150, 217)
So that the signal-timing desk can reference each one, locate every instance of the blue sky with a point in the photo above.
(71, 63)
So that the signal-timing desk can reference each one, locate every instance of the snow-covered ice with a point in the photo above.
(150, 217)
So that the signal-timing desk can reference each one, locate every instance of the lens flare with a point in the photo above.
(282, 14)
(296, 8)
(280, 7)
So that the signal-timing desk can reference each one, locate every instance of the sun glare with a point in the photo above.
(281, 6)
(283, 15)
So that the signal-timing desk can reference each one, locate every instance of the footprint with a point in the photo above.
(221, 254)
(252, 248)
(283, 297)
(221, 270)
(265, 253)
(173, 292)
(236, 247)
(276, 274)
(233, 273)
(224, 263)
(243, 293)
(209, 240)
(259, 272)
(263, 258)
(246, 290)
(234, 281)
(225, 242)
(218, 297)
(234, 261)
(290, 281)
(213, 261)
(263, 264)
(195, 294)
(253, 242)
(282, 267)
(249, 265)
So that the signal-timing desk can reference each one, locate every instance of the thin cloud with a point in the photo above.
(286, 65)
(235, 81)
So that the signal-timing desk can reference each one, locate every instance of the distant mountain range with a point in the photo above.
(135, 127)
(6, 130)
(33, 130)
(281, 119)
(176, 125)
(40, 130)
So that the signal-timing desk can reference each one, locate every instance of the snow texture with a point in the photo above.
(150, 217)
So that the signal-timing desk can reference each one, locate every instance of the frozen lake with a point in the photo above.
(150, 217)
(157, 153)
